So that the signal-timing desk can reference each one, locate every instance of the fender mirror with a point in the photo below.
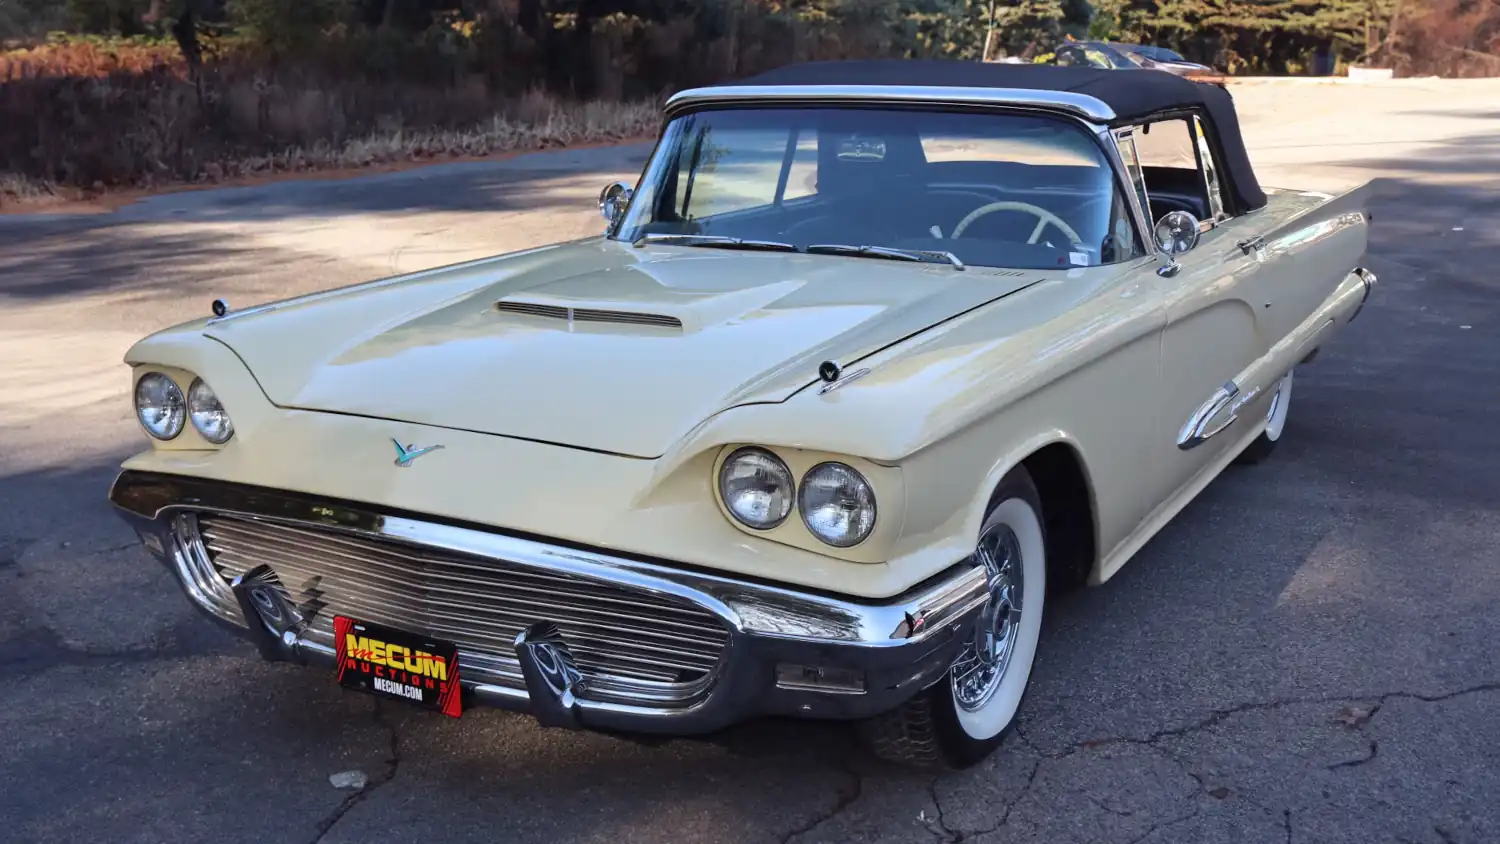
(613, 201)
(1176, 232)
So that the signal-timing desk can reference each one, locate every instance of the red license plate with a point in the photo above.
(392, 663)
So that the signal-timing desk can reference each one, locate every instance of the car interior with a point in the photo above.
(1051, 201)
(1169, 163)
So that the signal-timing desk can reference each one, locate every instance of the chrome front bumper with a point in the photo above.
(788, 652)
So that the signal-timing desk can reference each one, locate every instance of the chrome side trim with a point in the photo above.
(1078, 105)
(1211, 417)
(841, 380)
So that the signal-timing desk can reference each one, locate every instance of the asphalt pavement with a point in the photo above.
(1308, 653)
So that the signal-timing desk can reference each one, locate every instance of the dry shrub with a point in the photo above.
(154, 128)
(89, 58)
(1452, 38)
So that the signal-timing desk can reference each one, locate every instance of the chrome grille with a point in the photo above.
(630, 646)
(532, 309)
(625, 317)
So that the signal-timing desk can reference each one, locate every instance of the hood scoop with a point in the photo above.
(572, 315)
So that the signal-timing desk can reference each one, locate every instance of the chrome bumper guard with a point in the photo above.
(790, 652)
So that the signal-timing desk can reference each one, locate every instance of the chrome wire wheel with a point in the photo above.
(977, 673)
(963, 717)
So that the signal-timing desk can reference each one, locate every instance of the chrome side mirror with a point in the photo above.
(613, 201)
(1176, 232)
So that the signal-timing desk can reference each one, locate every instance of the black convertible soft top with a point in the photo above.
(1133, 95)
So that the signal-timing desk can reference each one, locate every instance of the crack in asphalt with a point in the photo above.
(392, 764)
(955, 836)
(1220, 715)
(1155, 828)
(1214, 718)
(847, 797)
(1355, 763)
(41, 649)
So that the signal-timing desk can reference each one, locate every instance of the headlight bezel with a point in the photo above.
(807, 483)
(195, 392)
(174, 396)
(885, 479)
(776, 463)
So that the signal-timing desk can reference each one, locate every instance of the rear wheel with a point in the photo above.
(962, 718)
(1281, 402)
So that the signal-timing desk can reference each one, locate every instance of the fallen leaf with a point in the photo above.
(1219, 793)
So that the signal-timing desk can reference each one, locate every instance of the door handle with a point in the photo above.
(1251, 245)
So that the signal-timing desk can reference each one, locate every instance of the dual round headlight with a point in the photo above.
(164, 411)
(836, 502)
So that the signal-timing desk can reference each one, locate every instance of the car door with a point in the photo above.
(1215, 327)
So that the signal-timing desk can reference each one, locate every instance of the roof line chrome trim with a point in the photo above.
(1068, 102)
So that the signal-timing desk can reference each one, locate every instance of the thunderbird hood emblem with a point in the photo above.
(405, 454)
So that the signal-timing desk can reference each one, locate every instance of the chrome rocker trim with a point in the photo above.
(790, 652)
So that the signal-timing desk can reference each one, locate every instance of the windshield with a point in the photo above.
(987, 189)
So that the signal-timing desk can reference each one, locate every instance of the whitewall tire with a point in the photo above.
(1281, 404)
(963, 717)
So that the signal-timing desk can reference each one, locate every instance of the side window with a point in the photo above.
(729, 170)
(1179, 169)
(1130, 154)
(1210, 171)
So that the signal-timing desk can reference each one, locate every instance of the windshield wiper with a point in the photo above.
(889, 253)
(714, 241)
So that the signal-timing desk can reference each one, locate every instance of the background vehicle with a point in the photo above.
(1116, 56)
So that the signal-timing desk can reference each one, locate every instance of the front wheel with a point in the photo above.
(962, 718)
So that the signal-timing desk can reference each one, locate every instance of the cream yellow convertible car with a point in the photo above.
(872, 360)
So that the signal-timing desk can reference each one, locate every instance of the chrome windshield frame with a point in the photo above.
(1082, 106)
(1092, 114)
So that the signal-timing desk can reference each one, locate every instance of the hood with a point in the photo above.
(595, 345)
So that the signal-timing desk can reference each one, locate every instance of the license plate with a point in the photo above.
(392, 663)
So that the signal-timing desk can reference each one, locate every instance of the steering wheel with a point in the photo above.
(1044, 218)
